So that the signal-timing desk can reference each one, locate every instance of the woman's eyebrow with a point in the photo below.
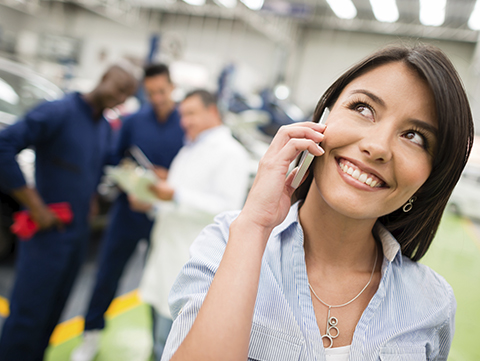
(426, 126)
(369, 94)
(419, 123)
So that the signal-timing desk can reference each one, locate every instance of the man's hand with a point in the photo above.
(139, 206)
(45, 219)
(161, 172)
(163, 190)
(40, 213)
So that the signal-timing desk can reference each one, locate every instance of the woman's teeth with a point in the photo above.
(369, 180)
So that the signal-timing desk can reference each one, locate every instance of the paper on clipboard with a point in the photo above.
(134, 181)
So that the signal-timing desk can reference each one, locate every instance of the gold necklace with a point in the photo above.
(332, 322)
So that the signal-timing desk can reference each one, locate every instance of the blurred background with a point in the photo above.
(269, 61)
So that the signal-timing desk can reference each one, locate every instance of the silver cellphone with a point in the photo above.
(307, 158)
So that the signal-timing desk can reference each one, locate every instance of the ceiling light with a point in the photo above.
(432, 12)
(344, 9)
(474, 21)
(195, 2)
(253, 4)
(227, 3)
(281, 91)
(385, 10)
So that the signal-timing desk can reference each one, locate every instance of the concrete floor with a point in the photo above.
(455, 254)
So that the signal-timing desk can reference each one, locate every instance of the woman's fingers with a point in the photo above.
(287, 154)
(269, 198)
(295, 146)
(307, 130)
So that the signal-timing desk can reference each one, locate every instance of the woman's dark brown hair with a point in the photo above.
(415, 230)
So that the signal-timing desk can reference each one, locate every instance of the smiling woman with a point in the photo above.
(328, 271)
(453, 130)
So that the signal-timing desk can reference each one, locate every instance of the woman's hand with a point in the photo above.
(224, 322)
(268, 202)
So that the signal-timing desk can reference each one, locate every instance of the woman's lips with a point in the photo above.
(355, 172)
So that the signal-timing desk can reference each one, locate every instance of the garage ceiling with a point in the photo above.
(281, 19)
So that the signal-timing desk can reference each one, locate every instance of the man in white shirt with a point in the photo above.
(209, 175)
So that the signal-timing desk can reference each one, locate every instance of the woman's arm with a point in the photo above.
(221, 330)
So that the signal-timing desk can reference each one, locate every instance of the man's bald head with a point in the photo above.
(118, 83)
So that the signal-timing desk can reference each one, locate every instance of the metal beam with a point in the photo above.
(278, 29)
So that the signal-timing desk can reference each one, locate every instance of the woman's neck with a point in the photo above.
(332, 239)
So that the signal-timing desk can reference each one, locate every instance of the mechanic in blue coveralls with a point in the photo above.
(71, 140)
(156, 130)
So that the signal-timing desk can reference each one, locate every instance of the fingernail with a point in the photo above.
(321, 149)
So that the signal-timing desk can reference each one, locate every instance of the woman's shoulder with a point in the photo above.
(421, 283)
(422, 272)
(215, 235)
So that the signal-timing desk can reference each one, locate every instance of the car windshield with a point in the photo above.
(19, 94)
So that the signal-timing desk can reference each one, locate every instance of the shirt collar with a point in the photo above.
(292, 218)
(391, 247)
(206, 133)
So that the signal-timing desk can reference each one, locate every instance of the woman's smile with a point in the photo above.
(363, 176)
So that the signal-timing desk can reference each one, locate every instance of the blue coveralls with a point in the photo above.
(160, 142)
(71, 150)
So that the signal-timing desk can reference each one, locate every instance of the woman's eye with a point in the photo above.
(365, 111)
(415, 137)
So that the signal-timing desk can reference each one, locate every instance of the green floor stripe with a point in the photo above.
(127, 337)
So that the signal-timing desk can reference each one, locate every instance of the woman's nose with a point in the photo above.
(377, 143)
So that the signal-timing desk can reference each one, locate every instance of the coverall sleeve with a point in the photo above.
(38, 126)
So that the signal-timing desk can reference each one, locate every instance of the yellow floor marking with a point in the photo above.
(74, 327)
(67, 330)
(4, 308)
(123, 303)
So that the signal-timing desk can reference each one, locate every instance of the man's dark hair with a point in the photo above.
(152, 70)
(206, 97)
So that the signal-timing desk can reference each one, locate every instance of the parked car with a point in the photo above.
(465, 199)
(21, 88)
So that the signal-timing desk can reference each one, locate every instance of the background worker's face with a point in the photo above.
(196, 117)
(159, 90)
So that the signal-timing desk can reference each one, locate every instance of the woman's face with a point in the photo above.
(379, 143)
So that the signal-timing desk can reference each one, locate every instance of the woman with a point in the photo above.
(334, 275)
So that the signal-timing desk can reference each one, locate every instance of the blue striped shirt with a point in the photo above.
(410, 317)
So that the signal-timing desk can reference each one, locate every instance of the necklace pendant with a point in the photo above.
(332, 323)
(329, 338)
